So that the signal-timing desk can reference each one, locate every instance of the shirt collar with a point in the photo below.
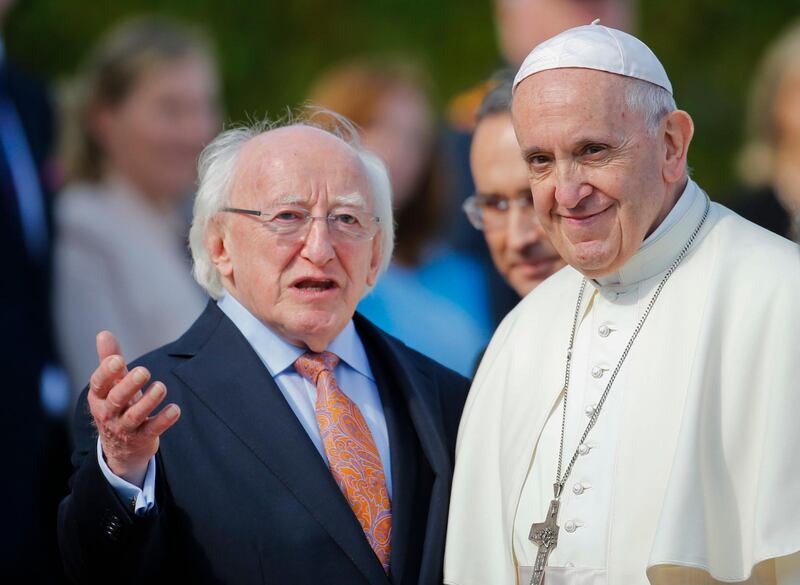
(279, 355)
(661, 247)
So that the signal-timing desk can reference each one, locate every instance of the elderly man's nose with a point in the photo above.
(318, 246)
(570, 186)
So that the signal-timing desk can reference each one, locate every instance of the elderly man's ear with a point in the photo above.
(678, 132)
(216, 246)
(375, 261)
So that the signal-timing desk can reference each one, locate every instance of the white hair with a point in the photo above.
(650, 100)
(216, 168)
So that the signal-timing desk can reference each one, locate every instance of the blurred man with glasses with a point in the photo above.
(312, 447)
(503, 207)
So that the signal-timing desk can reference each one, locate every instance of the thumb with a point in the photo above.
(107, 345)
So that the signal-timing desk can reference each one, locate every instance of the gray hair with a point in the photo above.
(498, 99)
(216, 168)
(653, 102)
(650, 100)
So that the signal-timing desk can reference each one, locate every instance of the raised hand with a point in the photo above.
(122, 411)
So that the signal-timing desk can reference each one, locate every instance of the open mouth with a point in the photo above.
(315, 285)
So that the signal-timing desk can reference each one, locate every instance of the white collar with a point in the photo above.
(278, 354)
(661, 247)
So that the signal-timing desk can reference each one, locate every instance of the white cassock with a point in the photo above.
(692, 472)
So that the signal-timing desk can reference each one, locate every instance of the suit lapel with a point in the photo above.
(407, 393)
(404, 457)
(226, 375)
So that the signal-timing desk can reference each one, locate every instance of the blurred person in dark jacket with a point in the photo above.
(36, 391)
(769, 164)
(142, 110)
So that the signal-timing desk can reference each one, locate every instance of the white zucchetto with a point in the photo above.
(595, 46)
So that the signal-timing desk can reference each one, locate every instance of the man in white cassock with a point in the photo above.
(635, 418)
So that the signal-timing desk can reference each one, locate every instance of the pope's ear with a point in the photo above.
(217, 243)
(678, 131)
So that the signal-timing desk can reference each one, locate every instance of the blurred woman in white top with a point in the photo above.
(137, 118)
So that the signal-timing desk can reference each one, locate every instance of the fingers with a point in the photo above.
(107, 345)
(124, 391)
(111, 364)
(162, 421)
(137, 413)
(127, 407)
(109, 372)
(121, 410)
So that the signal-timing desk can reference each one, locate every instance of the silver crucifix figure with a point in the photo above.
(545, 536)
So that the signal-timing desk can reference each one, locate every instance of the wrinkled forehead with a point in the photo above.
(300, 165)
(572, 97)
(571, 85)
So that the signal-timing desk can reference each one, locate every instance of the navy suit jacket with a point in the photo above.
(27, 543)
(25, 304)
(242, 494)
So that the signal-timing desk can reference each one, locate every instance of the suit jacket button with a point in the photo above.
(111, 526)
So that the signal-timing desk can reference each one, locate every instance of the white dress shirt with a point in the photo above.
(353, 375)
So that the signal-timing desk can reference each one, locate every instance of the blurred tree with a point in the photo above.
(271, 51)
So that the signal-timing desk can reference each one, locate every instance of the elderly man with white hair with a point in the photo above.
(311, 446)
(634, 418)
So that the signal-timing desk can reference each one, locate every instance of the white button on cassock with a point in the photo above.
(570, 526)
(597, 372)
(604, 330)
(590, 410)
(583, 448)
(577, 489)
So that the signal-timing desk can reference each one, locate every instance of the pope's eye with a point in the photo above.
(594, 148)
(538, 160)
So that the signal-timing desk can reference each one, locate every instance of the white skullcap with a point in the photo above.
(594, 46)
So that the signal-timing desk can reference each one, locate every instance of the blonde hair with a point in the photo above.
(757, 158)
(108, 77)
(357, 90)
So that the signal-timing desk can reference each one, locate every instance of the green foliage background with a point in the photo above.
(270, 51)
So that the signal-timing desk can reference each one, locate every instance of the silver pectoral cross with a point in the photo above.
(545, 536)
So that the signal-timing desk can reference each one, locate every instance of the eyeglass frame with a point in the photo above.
(473, 207)
(308, 219)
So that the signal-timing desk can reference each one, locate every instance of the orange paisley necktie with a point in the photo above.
(352, 455)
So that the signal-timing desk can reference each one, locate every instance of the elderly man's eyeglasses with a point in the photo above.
(491, 212)
(343, 224)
